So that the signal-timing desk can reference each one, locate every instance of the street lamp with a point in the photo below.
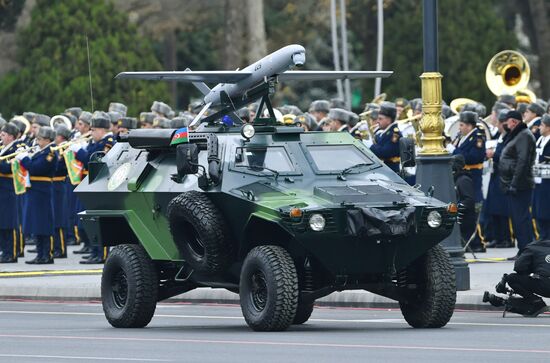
(434, 162)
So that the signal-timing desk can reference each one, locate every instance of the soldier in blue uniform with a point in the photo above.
(532, 117)
(102, 141)
(60, 200)
(8, 217)
(495, 206)
(541, 195)
(471, 145)
(386, 145)
(38, 213)
(339, 119)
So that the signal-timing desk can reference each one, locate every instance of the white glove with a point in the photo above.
(21, 156)
(450, 148)
(75, 147)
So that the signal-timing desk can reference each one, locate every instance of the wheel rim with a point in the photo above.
(193, 240)
(120, 288)
(258, 290)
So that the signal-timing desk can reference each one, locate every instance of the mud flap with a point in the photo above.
(368, 222)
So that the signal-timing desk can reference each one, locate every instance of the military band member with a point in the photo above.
(386, 145)
(471, 144)
(161, 123)
(114, 116)
(319, 109)
(125, 124)
(339, 119)
(73, 111)
(146, 120)
(401, 104)
(532, 117)
(541, 195)
(102, 141)
(38, 213)
(8, 217)
(60, 199)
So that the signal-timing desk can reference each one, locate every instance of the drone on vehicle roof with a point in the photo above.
(239, 88)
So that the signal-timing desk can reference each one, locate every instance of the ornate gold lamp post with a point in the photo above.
(433, 161)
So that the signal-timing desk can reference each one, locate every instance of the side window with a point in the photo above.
(275, 158)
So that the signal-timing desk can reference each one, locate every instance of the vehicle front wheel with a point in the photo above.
(433, 302)
(269, 289)
(129, 287)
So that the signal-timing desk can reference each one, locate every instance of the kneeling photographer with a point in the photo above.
(531, 281)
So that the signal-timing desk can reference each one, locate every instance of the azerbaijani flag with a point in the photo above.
(20, 176)
(181, 135)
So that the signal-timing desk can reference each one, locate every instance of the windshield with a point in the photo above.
(274, 158)
(329, 158)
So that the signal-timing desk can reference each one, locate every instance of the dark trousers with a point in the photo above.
(543, 226)
(527, 286)
(59, 241)
(521, 217)
(8, 243)
(500, 228)
(44, 247)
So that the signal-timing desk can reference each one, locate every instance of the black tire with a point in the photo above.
(129, 287)
(434, 302)
(200, 233)
(268, 289)
(303, 313)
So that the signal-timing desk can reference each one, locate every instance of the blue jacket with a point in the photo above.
(387, 146)
(473, 150)
(83, 155)
(541, 195)
(8, 216)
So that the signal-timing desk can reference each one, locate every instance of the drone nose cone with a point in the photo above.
(299, 59)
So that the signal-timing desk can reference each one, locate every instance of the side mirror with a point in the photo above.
(407, 152)
(187, 159)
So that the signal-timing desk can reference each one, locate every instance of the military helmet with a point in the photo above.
(75, 111)
(46, 132)
(11, 129)
(62, 130)
(101, 120)
(118, 107)
(468, 117)
(85, 117)
(319, 106)
(127, 123)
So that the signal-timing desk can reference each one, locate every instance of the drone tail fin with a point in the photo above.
(201, 86)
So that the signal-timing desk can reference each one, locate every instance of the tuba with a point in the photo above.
(25, 121)
(508, 72)
(61, 119)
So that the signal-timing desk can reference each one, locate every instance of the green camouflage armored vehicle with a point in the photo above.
(277, 215)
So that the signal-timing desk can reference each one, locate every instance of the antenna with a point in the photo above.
(90, 73)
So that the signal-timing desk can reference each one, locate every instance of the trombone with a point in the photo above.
(64, 145)
(26, 149)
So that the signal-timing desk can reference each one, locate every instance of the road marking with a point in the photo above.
(280, 343)
(320, 320)
(49, 273)
(78, 357)
(486, 259)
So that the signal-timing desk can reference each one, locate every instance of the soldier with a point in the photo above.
(338, 119)
(83, 124)
(37, 122)
(146, 120)
(114, 116)
(8, 217)
(60, 198)
(102, 140)
(386, 145)
(532, 117)
(541, 195)
(319, 109)
(125, 124)
(161, 123)
(38, 214)
(307, 121)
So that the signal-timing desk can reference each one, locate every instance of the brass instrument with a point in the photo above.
(415, 122)
(508, 72)
(366, 132)
(64, 145)
(61, 119)
(379, 99)
(458, 103)
(25, 121)
(30, 150)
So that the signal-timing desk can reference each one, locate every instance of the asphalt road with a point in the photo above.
(65, 332)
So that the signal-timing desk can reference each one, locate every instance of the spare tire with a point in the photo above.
(199, 231)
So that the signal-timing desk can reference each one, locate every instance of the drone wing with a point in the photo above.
(188, 76)
(331, 75)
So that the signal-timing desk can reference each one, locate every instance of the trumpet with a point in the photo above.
(365, 133)
(64, 145)
(30, 150)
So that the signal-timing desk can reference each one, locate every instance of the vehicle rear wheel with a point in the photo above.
(199, 231)
(268, 289)
(129, 287)
(303, 313)
(432, 305)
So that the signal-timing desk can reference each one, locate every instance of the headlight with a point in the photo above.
(434, 219)
(247, 131)
(317, 222)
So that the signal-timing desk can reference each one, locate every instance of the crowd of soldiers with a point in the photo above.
(516, 206)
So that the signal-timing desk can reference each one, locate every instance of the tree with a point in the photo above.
(54, 63)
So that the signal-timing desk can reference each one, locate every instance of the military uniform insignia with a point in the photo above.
(534, 129)
(110, 139)
(395, 137)
(49, 158)
(479, 143)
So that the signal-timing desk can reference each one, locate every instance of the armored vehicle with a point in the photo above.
(280, 216)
